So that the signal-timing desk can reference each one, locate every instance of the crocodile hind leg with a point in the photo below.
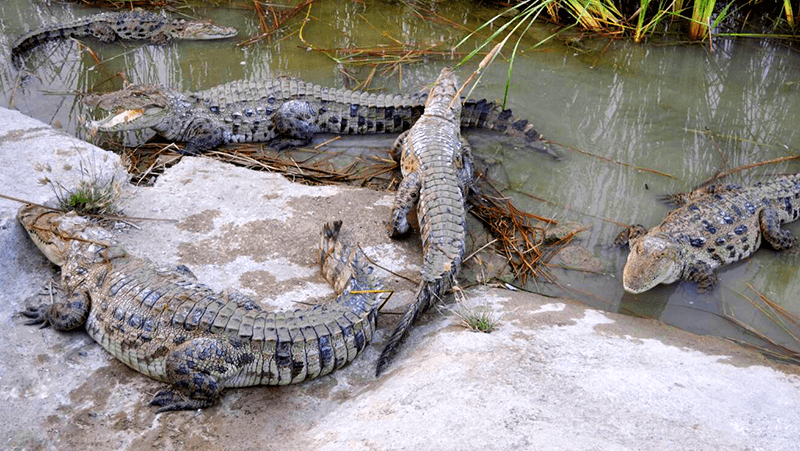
(780, 239)
(464, 163)
(405, 200)
(397, 148)
(61, 315)
(294, 125)
(179, 271)
(197, 370)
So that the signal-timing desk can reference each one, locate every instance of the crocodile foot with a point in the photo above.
(167, 401)
(629, 233)
(37, 315)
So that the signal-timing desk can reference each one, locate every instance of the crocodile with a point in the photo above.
(283, 112)
(110, 26)
(163, 323)
(711, 227)
(436, 163)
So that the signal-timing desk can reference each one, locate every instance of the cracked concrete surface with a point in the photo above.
(555, 375)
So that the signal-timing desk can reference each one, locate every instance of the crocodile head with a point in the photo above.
(200, 30)
(652, 260)
(42, 226)
(135, 107)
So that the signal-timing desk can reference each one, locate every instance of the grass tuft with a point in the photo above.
(90, 198)
(94, 195)
(480, 318)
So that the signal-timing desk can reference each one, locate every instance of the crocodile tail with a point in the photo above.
(31, 40)
(345, 266)
(335, 257)
(427, 293)
(491, 116)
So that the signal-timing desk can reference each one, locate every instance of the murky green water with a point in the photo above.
(647, 106)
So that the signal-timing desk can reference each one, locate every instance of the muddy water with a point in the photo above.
(679, 113)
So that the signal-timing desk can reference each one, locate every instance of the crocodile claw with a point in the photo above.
(167, 401)
(37, 315)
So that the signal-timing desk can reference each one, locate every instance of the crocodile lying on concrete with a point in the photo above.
(284, 112)
(110, 26)
(436, 163)
(166, 325)
(713, 226)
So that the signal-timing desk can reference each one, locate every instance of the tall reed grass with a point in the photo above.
(637, 19)
(641, 18)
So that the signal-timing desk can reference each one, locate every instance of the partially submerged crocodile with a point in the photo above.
(283, 112)
(110, 26)
(713, 226)
(436, 163)
(166, 325)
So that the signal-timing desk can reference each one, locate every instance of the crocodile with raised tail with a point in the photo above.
(713, 226)
(283, 112)
(436, 163)
(110, 26)
(164, 324)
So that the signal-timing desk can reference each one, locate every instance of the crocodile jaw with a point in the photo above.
(38, 222)
(129, 119)
(203, 30)
(652, 261)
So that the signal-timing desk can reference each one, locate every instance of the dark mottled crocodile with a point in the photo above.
(436, 163)
(110, 26)
(712, 227)
(283, 111)
(166, 325)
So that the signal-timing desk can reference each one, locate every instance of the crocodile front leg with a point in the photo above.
(405, 199)
(630, 233)
(703, 275)
(161, 38)
(770, 224)
(103, 31)
(61, 315)
(204, 136)
(197, 371)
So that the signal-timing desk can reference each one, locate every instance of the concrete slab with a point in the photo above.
(554, 375)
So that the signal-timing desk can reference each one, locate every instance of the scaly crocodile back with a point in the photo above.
(145, 313)
(351, 112)
(434, 145)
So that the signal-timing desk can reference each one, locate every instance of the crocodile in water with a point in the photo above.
(110, 26)
(436, 163)
(283, 111)
(713, 226)
(166, 325)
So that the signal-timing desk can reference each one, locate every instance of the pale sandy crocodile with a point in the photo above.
(713, 226)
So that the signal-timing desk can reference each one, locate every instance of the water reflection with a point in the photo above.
(682, 111)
